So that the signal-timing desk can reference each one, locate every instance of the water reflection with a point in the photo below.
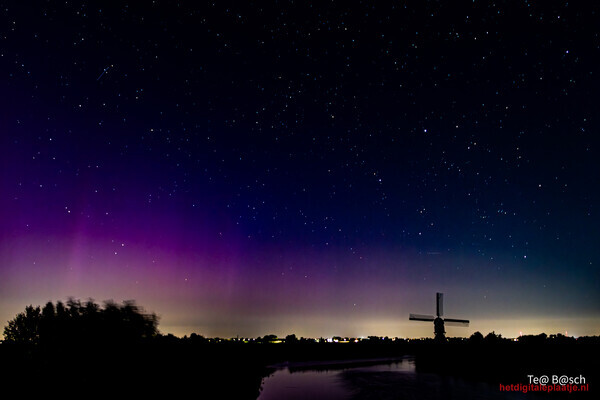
(304, 385)
(325, 380)
(398, 380)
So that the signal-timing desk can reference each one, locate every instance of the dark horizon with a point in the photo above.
(335, 338)
(88, 322)
(298, 168)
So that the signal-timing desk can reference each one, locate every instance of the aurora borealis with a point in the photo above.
(317, 169)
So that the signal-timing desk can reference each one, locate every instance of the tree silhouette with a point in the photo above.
(25, 327)
(77, 324)
(476, 337)
(291, 338)
(493, 338)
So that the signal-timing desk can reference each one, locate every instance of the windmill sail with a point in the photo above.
(419, 317)
(455, 321)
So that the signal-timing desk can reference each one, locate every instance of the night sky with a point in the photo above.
(311, 168)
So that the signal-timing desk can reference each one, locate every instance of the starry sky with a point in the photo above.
(248, 168)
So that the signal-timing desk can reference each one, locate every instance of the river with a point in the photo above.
(371, 379)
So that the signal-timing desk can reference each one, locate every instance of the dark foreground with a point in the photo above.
(169, 366)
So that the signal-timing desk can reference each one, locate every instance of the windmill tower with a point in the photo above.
(438, 321)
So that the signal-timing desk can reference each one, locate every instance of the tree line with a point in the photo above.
(76, 322)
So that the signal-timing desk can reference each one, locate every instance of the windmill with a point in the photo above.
(438, 321)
